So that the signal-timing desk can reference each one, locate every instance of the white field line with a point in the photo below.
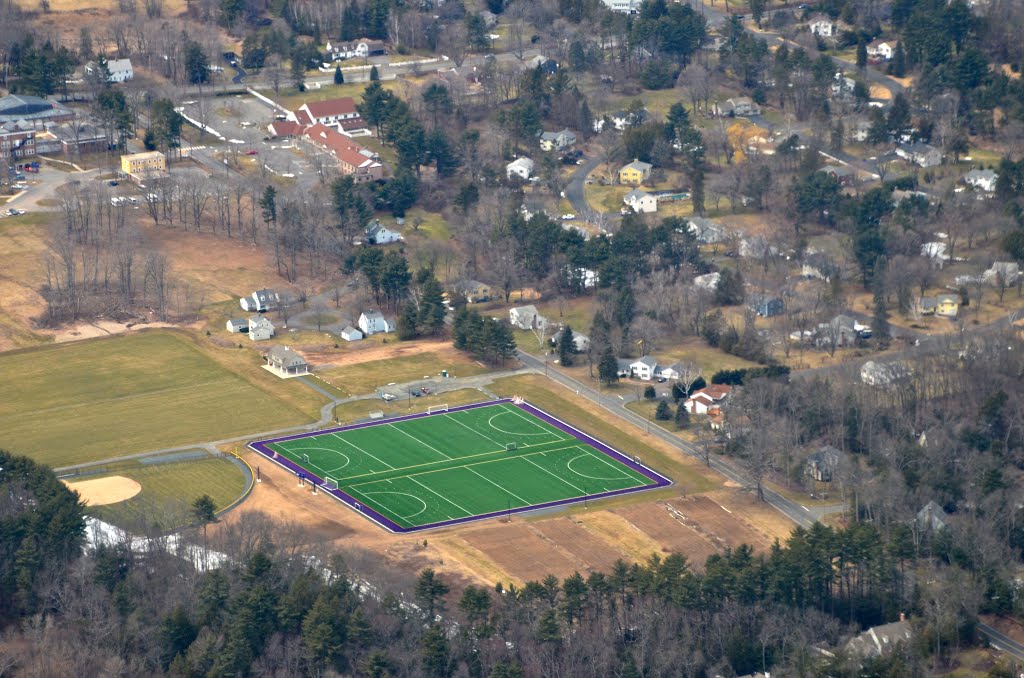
(420, 442)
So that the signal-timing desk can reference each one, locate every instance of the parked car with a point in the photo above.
(113, 183)
(252, 151)
(424, 390)
(568, 217)
(415, 394)
(387, 397)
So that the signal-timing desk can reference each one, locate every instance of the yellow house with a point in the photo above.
(476, 291)
(947, 305)
(635, 173)
(138, 165)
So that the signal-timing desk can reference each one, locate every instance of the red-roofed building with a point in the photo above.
(285, 128)
(707, 400)
(361, 163)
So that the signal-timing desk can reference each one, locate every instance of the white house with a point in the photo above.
(707, 231)
(379, 234)
(936, 251)
(1009, 270)
(579, 340)
(120, 69)
(672, 372)
(520, 167)
(641, 201)
(526, 317)
(823, 27)
(238, 325)
(260, 328)
(739, 106)
(880, 49)
(328, 112)
(286, 361)
(351, 334)
(983, 180)
(920, 153)
(557, 141)
(643, 368)
(708, 281)
(624, 6)
(260, 301)
(372, 322)
(707, 399)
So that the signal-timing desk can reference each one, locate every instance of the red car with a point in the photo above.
(252, 151)
(424, 390)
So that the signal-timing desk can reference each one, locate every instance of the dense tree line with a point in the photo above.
(486, 338)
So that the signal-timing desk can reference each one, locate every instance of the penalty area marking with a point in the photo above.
(404, 494)
(568, 465)
(347, 442)
(293, 450)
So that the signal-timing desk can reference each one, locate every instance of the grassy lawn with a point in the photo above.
(168, 491)
(360, 409)
(434, 225)
(646, 409)
(609, 429)
(365, 377)
(90, 400)
(291, 99)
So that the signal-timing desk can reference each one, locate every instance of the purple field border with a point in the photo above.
(261, 447)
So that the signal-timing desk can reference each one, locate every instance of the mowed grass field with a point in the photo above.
(90, 400)
(168, 491)
(457, 465)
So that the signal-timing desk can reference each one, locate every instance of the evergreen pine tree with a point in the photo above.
(374, 74)
(407, 322)
(880, 321)
(608, 368)
(566, 347)
(662, 412)
(898, 67)
(339, 77)
(682, 416)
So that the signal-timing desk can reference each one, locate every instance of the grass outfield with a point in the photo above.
(168, 491)
(450, 467)
(362, 378)
(91, 400)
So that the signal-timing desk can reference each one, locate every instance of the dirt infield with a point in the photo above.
(103, 491)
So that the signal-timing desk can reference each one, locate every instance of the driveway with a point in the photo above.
(574, 190)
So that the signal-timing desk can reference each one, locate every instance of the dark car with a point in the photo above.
(113, 183)
(415, 394)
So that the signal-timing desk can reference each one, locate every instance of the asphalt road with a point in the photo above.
(1001, 641)
(574, 190)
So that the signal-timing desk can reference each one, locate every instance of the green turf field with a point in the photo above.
(456, 465)
(89, 400)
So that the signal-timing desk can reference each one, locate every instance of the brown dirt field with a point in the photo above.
(100, 328)
(364, 352)
(522, 552)
(879, 92)
(21, 274)
(760, 516)
(614, 529)
(671, 534)
(719, 525)
(103, 491)
(596, 553)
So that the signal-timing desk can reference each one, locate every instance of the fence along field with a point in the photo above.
(442, 468)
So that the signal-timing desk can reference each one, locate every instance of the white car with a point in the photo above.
(568, 217)
(387, 397)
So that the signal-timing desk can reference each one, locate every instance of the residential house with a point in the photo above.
(672, 372)
(766, 306)
(936, 252)
(120, 70)
(260, 328)
(16, 141)
(351, 334)
(379, 234)
(842, 86)
(841, 331)
(635, 173)
(374, 322)
(1009, 271)
(328, 112)
(926, 305)
(841, 173)
(643, 368)
(707, 399)
(899, 195)
(475, 291)
(623, 6)
(739, 106)
(557, 141)
(141, 166)
(641, 201)
(983, 180)
(32, 111)
(823, 27)
(356, 49)
(526, 317)
(236, 326)
(260, 301)
(757, 247)
(920, 153)
(860, 129)
(546, 65)
(353, 160)
(884, 374)
(520, 167)
(708, 281)
(880, 641)
(579, 340)
(932, 517)
(822, 465)
(818, 265)
(286, 361)
(881, 50)
(707, 231)
(621, 120)
(947, 305)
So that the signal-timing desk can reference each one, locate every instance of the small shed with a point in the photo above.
(351, 334)
(237, 325)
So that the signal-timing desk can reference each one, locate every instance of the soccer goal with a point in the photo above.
(437, 408)
(330, 483)
(510, 447)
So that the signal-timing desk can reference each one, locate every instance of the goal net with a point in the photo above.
(330, 483)
(437, 408)
(510, 446)
(518, 400)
